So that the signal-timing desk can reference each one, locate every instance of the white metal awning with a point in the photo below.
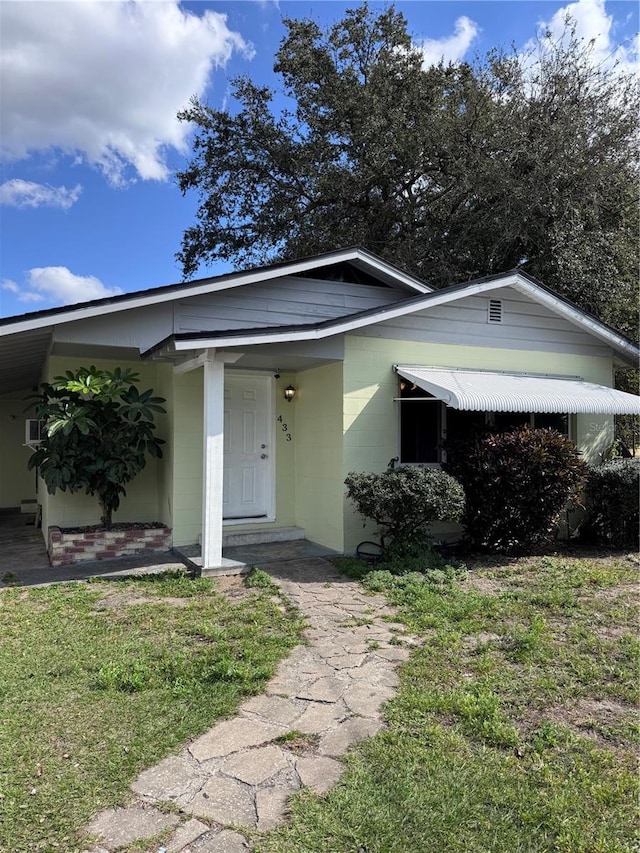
(486, 391)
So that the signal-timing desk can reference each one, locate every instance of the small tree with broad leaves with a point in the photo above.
(98, 430)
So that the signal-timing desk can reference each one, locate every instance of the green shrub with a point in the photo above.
(517, 483)
(611, 502)
(404, 503)
(99, 431)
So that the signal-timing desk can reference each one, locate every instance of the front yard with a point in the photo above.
(100, 680)
(515, 727)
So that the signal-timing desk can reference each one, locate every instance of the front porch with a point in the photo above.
(24, 560)
(237, 559)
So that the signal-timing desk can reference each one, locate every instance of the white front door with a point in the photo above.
(248, 450)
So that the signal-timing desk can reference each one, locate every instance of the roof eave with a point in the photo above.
(226, 281)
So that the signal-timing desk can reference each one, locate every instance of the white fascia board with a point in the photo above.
(575, 316)
(226, 282)
(389, 271)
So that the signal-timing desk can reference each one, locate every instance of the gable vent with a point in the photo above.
(495, 311)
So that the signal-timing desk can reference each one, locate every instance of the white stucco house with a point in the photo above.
(381, 366)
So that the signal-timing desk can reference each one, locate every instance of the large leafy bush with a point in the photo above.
(516, 483)
(611, 502)
(98, 431)
(404, 502)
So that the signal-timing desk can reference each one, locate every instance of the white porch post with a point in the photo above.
(212, 467)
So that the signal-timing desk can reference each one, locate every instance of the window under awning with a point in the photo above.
(487, 391)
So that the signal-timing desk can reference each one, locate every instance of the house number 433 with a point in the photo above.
(284, 427)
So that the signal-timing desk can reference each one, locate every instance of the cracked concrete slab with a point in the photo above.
(319, 773)
(226, 841)
(273, 709)
(257, 765)
(174, 777)
(226, 801)
(328, 689)
(346, 734)
(320, 716)
(232, 736)
(120, 827)
(186, 835)
(271, 805)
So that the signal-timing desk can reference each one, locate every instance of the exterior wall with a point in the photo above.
(319, 455)
(166, 430)
(17, 483)
(187, 456)
(371, 416)
(287, 301)
(526, 325)
(137, 329)
(141, 502)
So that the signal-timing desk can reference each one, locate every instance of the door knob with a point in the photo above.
(263, 456)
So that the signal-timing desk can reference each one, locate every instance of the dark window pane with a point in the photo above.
(464, 426)
(420, 424)
(552, 420)
(505, 421)
(419, 431)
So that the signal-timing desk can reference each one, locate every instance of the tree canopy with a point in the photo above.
(453, 171)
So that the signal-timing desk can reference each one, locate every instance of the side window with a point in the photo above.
(420, 425)
(552, 420)
(463, 425)
(426, 424)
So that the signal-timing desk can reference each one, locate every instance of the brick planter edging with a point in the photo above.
(64, 548)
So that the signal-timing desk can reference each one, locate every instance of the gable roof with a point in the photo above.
(520, 281)
(359, 258)
(25, 340)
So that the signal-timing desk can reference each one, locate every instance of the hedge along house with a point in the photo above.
(280, 380)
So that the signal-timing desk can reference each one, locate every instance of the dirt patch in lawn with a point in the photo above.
(127, 599)
(629, 591)
(615, 632)
(598, 719)
(482, 584)
(232, 586)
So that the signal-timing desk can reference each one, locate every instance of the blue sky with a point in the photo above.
(89, 204)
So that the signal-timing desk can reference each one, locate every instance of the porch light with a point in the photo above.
(289, 393)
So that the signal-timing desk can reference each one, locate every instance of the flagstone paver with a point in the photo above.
(241, 773)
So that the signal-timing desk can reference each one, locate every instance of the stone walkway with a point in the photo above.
(325, 697)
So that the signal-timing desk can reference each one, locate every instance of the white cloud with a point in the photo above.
(19, 193)
(451, 48)
(11, 286)
(105, 80)
(592, 23)
(59, 286)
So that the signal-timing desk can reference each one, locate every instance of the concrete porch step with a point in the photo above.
(233, 538)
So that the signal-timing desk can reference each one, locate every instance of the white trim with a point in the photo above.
(349, 324)
(226, 281)
(190, 364)
(212, 461)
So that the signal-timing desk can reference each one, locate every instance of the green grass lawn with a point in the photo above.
(515, 727)
(100, 680)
